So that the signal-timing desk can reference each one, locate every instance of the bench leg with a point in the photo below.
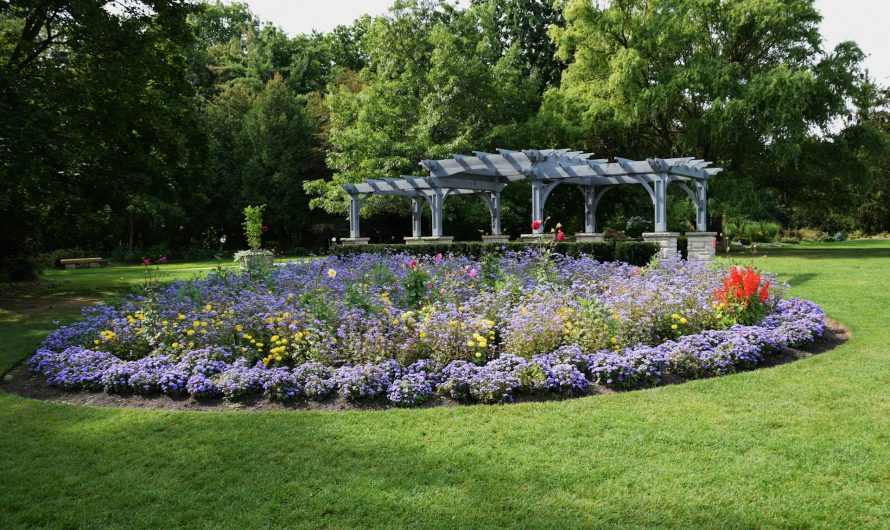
(94, 265)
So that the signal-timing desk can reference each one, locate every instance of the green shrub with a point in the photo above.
(633, 252)
(18, 268)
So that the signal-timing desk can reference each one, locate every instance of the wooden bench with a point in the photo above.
(72, 263)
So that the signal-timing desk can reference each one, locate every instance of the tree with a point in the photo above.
(96, 118)
(433, 84)
(744, 83)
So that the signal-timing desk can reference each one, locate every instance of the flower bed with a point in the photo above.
(398, 330)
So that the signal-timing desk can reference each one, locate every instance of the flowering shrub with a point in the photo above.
(742, 298)
(357, 327)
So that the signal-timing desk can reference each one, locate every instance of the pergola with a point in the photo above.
(486, 174)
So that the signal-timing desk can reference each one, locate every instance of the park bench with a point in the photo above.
(72, 263)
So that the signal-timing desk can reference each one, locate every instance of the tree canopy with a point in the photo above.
(147, 126)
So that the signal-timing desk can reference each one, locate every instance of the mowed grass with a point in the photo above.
(805, 444)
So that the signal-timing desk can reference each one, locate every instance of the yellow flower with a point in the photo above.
(422, 334)
(176, 345)
(181, 316)
(332, 273)
(196, 323)
(675, 316)
(478, 354)
(164, 323)
(239, 328)
(614, 340)
(275, 338)
(209, 307)
(471, 344)
(673, 326)
(190, 332)
(683, 320)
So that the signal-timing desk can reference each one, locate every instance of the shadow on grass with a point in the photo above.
(800, 279)
(818, 253)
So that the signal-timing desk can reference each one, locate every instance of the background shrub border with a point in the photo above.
(633, 252)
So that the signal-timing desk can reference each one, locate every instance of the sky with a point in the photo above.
(864, 21)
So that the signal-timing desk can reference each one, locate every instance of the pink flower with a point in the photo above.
(714, 242)
(438, 257)
(536, 225)
(472, 273)
(412, 264)
(163, 260)
(265, 228)
(560, 236)
(146, 262)
(429, 285)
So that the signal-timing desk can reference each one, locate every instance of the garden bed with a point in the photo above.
(24, 382)
(373, 331)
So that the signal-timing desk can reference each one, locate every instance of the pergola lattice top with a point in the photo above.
(486, 174)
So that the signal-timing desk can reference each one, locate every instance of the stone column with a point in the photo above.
(667, 241)
(701, 245)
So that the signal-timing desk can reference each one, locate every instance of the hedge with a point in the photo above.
(634, 252)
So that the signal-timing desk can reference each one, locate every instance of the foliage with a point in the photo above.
(633, 252)
(253, 226)
(673, 76)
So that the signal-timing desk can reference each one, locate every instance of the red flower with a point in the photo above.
(146, 262)
(560, 236)
(714, 242)
(536, 225)
(265, 228)
(412, 264)
(764, 292)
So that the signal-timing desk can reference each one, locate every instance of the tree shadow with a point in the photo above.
(820, 253)
(800, 279)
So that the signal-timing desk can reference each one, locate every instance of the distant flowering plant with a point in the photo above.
(400, 330)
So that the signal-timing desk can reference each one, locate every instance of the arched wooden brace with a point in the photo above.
(658, 193)
(540, 191)
(700, 200)
(436, 199)
(591, 201)
(416, 205)
(493, 201)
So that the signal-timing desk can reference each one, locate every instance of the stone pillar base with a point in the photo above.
(535, 238)
(667, 241)
(413, 240)
(437, 240)
(590, 237)
(701, 245)
(348, 241)
(496, 239)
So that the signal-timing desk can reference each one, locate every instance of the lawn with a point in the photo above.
(803, 444)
